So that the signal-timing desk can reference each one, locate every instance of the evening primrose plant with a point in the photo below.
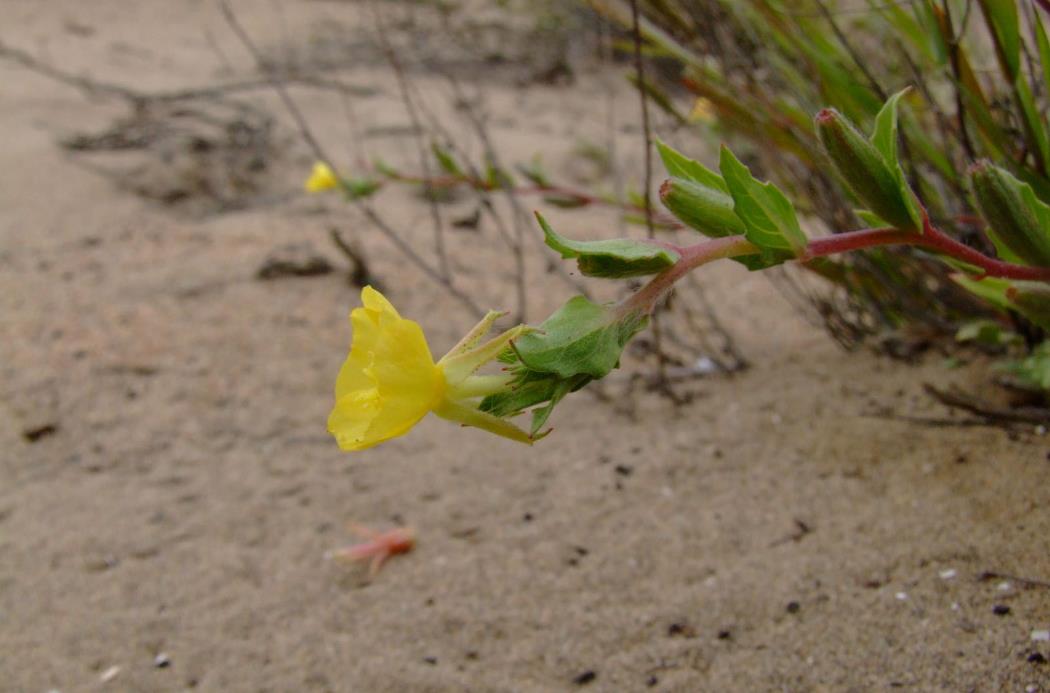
(390, 381)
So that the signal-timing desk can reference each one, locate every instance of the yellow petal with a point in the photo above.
(321, 178)
(388, 382)
(351, 418)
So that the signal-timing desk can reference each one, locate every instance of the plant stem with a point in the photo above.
(693, 256)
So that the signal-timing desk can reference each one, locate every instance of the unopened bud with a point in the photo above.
(1010, 208)
(864, 170)
(699, 207)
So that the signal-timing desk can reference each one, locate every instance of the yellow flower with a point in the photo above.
(321, 178)
(389, 381)
(703, 111)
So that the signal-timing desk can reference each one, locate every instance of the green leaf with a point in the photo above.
(580, 338)
(1002, 19)
(446, 161)
(680, 166)
(359, 188)
(986, 333)
(1044, 54)
(1034, 369)
(613, 259)
(768, 216)
(991, 289)
(534, 172)
(884, 139)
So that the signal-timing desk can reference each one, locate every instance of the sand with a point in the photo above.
(167, 487)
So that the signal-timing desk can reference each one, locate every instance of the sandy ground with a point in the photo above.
(780, 532)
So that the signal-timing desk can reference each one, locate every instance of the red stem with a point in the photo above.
(693, 256)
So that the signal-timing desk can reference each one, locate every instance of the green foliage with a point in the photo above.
(701, 208)
(988, 333)
(1018, 221)
(680, 166)
(981, 88)
(870, 167)
(580, 338)
(446, 161)
(613, 259)
(359, 188)
(769, 217)
(1034, 369)
(582, 341)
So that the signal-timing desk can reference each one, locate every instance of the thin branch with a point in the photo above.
(417, 132)
(636, 30)
(319, 152)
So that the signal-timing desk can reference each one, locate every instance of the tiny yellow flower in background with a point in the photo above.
(389, 381)
(321, 178)
(703, 111)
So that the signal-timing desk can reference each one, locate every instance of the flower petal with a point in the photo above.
(351, 418)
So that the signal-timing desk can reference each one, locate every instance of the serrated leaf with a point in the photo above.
(768, 216)
(580, 338)
(680, 166)
(613, 259)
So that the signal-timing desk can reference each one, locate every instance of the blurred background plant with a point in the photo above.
(757, 70)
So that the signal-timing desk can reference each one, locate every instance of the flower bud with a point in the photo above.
(1012, 212)
(865, 171)
(699, 207)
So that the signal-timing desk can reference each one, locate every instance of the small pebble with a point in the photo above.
(1037, 658)
(902, 596)
(1000, 610)
(585, 678)
(430, 660)
(1003, 587)
(651, 681)
(1031, 688)
(162, 660)
(793, 607)
(1041, 635)
(947, 574)
(109, 674)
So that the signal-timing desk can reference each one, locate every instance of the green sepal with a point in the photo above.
(769, 217)
(612, 259)
(580, 338)
(533, 388)
(1016, 218)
